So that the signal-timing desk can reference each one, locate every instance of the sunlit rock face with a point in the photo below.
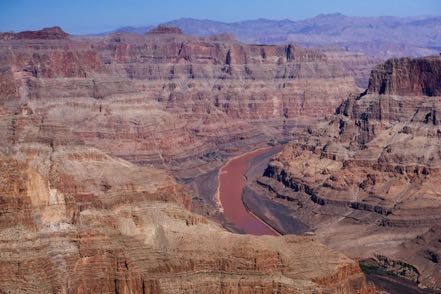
(74, 219)
(407, 76)
(375, 169)
(79, 214)
(166, 97)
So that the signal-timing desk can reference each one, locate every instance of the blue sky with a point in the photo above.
(91, 16)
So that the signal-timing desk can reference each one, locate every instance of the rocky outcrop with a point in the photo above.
(47, 34)
(407, 77)
(373, 168)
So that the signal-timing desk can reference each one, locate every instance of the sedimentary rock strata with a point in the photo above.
(370, 176)
(75, 219)
(166, 96)
(80, 214)
(407, 77)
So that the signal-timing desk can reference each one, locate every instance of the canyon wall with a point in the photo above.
(405, 77)
(83, 210)
(370, 175)
(166, 97)
(76, 220)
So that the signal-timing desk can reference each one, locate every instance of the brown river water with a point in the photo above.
(231, 183)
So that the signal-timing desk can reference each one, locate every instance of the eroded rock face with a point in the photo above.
(407, 77)
(370, 176)
(77, 217)
(77, 220)
(166, 98)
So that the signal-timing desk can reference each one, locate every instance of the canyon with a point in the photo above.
(178, 102)
(106, 143)
(366, 181)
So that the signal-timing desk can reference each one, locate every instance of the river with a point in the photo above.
(231, 184)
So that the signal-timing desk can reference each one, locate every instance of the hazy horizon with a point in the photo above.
(101, 16)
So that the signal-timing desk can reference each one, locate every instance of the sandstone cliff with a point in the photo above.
(75, 220)
(371, 174)
(77, 217)
(406, 76)
(167, 97)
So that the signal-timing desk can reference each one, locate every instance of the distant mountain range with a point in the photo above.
(383, 36)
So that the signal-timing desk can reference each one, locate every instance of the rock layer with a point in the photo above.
(78, 214)
(406, 77)
(76, 220)
(176, 101)
(373, 169)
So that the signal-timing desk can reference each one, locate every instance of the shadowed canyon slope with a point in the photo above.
(82, 210)
(368, 180)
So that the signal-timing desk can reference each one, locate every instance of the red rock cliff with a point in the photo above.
(192, 95)
(76, 217)
(407, 77)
